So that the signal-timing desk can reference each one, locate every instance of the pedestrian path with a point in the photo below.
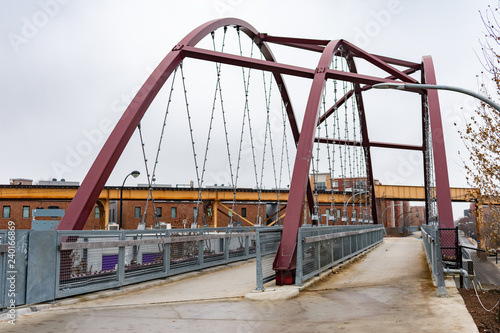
(387, 290)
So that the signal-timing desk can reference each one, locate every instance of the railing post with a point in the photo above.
(317, 253)
(258, 264)
(226, 246)
(166, 255)
(441, 292)
(58, 262)
(200, 251)
(299, 273)
(121, 260)
(247, 245)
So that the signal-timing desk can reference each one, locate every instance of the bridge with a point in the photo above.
(246, 130)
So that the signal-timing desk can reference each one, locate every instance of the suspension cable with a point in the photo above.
(188, 113)
(246, 82)
(150, 193)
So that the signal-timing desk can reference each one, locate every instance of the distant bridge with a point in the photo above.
(388, 192)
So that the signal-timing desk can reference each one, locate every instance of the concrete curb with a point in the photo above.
(281, 293)
(26, 309)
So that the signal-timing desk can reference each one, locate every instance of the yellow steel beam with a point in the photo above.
(233, 212)
(390, 192)
(416, 193)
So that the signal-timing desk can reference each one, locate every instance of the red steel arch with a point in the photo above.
(88, 193)
(86, 197)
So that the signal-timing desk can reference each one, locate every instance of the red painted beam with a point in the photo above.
(88, 193)
(316, 45)
(236, 60)
(372, 144)
(365, 140)
(379, 63)
(293, 40)
(344, 98)
(445, 211)
(285, 260)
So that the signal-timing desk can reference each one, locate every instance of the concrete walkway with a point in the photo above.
(388, 290)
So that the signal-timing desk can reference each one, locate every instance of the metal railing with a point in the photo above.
(321, 248)
(55, 264)
(432, 244)
(92, 260)
(267, 242)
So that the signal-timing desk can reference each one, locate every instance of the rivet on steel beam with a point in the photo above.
(178, 47)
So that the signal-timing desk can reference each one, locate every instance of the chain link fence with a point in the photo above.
(482, 266)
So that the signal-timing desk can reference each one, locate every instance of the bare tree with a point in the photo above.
(481, 135)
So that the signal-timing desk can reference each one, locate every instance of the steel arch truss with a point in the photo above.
(86, 197)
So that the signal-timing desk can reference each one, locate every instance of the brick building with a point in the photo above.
(178, 206)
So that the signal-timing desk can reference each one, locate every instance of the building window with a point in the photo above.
(6, 212)
(173, 212)
(327, 212)
(195, 213)
(347, 183)
(354, 214)
(26, 212)
(243, 212)
(339, 213)
(361, 184)
(97, 212)
(321, 186)
(137, 212)
(335, 184)
(158, 211)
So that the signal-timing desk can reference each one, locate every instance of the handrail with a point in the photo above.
(313, 239)
(164, 240)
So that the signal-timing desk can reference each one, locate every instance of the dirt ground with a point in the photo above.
(487, 322)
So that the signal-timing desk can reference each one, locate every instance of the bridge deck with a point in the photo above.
(388, 290)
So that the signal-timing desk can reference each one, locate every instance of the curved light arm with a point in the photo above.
(352, 196)
(407, 86)
(390, 207)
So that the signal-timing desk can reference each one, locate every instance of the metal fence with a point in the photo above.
(482, 266)
(432, 244)
(324, 247)
(67, 263)
(267, 242)
(92, 260)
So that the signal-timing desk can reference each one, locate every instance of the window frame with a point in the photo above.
(8, 209)
(29, 212)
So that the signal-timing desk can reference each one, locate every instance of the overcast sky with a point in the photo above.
(68, 68)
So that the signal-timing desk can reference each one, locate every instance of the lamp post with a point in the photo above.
(352, 196)
(134, 174)
(387, 208)
(403, 213)
(418, 86)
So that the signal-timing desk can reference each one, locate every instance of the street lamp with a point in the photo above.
(418, 86)
(347, 203)
(134, 174)
(409, 213)
(387, 208)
